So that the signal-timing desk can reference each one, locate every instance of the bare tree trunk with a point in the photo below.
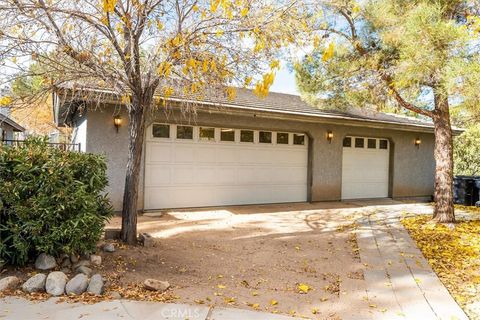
(136, 128)
(444, 210)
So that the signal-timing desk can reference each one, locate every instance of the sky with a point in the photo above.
(284, 82)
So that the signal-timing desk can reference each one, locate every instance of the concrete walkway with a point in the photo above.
(12, 308)
(399, 281)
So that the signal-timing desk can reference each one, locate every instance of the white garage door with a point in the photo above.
(365, 168)
(190, 166)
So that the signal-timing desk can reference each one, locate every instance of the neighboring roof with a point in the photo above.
(10, 122)
(280, 103)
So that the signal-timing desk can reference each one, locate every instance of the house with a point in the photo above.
(8, 127)
(251, 151)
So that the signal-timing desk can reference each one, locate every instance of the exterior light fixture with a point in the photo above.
(418, 141)
(329, 136)
(117, 122)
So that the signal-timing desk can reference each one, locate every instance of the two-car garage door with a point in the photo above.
(193, 166)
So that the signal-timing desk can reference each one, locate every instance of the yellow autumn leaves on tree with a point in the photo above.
(329, 52)
(109, 5)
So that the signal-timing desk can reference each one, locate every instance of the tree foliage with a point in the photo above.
(392, 55)
(174, 46)
(467, 152)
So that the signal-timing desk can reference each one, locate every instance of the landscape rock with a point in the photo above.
(96, 260)
(74, 258)
(96, 285)
(109, 247)
(115, 295)
(45, 262)
(84, 270)
(77, 285)
(81, 263)
(147, 240)
(9, 283)
(66, 270)
(35, 283)
(55, 284)
(66, 263)
(156, 285)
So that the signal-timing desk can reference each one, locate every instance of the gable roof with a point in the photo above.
(275, 103)
(10, 122)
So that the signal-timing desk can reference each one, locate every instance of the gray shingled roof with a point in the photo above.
(293, 104)
(277, 103)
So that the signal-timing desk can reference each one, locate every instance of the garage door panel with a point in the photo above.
(206, 154)
(182, 175)
(365, 173)
(157, 153)
(157, 175)
(184, 153)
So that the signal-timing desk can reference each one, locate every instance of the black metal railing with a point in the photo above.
(61, 146)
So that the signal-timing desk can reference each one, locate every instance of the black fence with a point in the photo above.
(466, 190)
(61, 146)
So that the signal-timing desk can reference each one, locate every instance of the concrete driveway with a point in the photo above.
(339, 260)
(256, 257)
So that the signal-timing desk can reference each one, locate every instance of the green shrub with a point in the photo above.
(50, 201)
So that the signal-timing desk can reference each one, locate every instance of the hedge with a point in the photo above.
(51, 201)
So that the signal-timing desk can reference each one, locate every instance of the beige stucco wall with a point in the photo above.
(412, 168)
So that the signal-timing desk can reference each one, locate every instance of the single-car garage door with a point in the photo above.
(192, 166)
(365, 168)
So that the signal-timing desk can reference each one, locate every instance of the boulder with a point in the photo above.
(55, 284)
(147, 240)
(77, 285)
(66, 263)
(96, 260)
(84, 270)
(81, 263)
(9, 283)
(156, 285)
(45, 262)
(74, 258)
(96, 285)
(109, 247)
(35, 283)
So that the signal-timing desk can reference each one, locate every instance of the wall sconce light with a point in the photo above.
(329, 136)
(418, 141)
(117, 122)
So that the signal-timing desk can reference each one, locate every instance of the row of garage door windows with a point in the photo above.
(227, 135)
(360, 143)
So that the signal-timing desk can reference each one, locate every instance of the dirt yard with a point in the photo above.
(296, 259)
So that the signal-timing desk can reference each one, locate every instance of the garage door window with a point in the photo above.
(184, 132)
(383, 144)
(282, 138)
(227, 135)
(265, 137)
(359, 143)
(207, 134)
(299, 139)
(347, 142)
(246, 136)
(161, 131)
(372, 144)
